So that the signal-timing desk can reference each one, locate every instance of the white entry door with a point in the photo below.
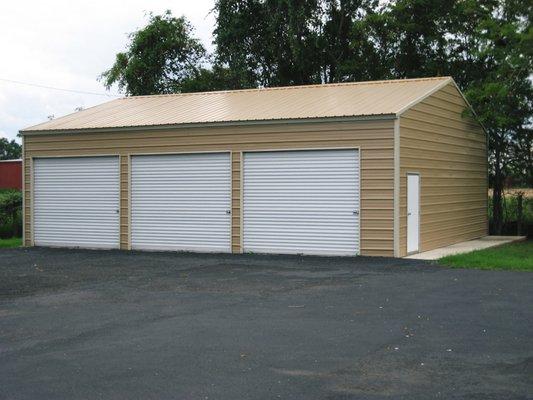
(413, 212)
(76, 202)
(302, 202)
(181, 202)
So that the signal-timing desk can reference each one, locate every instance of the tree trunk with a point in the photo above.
(519, 213)
(497, 195)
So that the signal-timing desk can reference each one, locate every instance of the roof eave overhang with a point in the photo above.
(28, 132)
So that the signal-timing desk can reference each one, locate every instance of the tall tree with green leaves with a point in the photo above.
(159, 59)
(502, 93)
(487, 46)
(294, 42)
(269, 43)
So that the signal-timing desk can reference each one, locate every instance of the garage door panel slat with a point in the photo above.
(301, 202)
(76, 200)
(180, 202)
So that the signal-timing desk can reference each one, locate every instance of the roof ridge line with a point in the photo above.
(294, 87)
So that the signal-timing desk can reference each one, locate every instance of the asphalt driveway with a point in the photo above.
(125, 325)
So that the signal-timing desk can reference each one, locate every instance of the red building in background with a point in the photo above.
(11, 174)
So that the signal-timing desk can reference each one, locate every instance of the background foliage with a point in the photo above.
(9, 150)
(10, 213)
(159, 59)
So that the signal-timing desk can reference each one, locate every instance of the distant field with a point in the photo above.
(528, 192)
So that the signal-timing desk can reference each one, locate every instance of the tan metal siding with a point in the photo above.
(374, 138)
(449, 152)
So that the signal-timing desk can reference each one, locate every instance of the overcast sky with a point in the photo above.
(67, 44)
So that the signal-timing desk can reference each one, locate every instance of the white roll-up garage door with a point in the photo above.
(302, 202)
(76, 202)
(181, 202)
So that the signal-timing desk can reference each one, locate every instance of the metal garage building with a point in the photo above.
(374, 168)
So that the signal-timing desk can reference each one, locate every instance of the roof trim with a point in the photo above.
(476, 117)
(293, 87)
(14, 160)
(376, 117)
(445, 81)
(435, 90)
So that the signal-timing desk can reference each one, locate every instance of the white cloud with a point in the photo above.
(67, 44)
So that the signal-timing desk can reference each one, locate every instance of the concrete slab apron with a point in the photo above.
(466, 247)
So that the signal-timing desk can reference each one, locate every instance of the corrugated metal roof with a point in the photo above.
(284, 103)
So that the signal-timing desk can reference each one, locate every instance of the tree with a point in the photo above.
(503, 94)
(347, 50)
(160, 57)
(210, 79)
(521, 158)
(487, 46)
(294, 42)
(269, 43)
(9, 150)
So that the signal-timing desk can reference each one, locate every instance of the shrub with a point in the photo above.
(510, 213)
(10, 213)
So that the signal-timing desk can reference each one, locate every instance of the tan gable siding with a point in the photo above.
(449, 152)
(374, 138)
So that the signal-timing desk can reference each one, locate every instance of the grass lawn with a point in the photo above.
(12, 242)
(514, 256)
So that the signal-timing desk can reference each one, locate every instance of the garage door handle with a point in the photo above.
(356, 212)
(408, 214)
(228, 212)
(117, 211)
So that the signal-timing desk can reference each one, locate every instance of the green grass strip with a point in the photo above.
(516, 256)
